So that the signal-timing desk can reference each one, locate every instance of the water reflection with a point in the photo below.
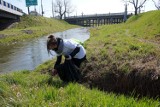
(29, 54)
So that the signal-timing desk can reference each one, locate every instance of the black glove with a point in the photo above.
(68, 57)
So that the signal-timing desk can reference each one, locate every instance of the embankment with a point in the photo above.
(125, 58)
(32, 27)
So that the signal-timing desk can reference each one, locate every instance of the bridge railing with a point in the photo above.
(6, 6)
(98, 15)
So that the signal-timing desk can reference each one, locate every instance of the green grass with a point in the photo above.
(32, 88)
(145, 25)
(136, 39)
(121, 57)
(39, 26)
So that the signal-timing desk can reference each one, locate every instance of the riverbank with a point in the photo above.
(32, 27)
(113, 52)
(30, 53)
(37, 88)
(125, 58)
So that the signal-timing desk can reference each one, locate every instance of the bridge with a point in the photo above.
(8, 14)
(98, 19)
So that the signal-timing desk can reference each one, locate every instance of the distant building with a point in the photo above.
(34, 13)
(57, 17)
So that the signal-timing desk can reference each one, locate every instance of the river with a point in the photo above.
(29, 54)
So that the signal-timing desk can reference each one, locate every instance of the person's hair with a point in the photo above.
(51, 40)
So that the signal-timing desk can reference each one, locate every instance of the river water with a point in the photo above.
(29, 54)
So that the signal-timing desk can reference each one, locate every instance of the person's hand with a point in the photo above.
(54, 72)
(68, 57)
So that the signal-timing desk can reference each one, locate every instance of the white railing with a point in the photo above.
(96, 15)
(10, 8)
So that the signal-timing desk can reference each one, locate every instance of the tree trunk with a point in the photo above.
(136, 11)
(61, 17)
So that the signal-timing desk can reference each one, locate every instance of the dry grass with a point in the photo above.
(124, 58)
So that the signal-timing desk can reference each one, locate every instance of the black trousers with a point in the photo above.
(78, 62)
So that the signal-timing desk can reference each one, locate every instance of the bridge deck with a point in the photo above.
(98, 19)
(9, 8)
(95, 15)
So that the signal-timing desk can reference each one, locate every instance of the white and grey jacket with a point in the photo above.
(69, 47)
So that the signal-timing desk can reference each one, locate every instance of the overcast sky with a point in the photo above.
(84, 6)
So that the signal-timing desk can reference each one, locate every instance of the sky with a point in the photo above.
(86, 7)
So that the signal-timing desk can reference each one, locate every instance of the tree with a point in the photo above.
(42, 8)
(52, 9)
(62, 7)
(157, 4)
(138, 4)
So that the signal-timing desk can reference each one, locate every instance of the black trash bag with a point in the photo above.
(68, 71)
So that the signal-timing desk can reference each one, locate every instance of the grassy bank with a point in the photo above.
(36, 88)
(32, 27)
(126, 57)
(121, 58)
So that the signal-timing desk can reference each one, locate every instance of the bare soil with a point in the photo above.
(142, 80)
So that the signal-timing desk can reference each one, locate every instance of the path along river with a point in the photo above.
(29, 54)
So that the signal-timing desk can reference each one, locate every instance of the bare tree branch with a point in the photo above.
(157, 4)
(62, 7)
(138, 4)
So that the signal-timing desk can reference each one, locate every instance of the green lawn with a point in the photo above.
(33, 89)
(32, 27)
